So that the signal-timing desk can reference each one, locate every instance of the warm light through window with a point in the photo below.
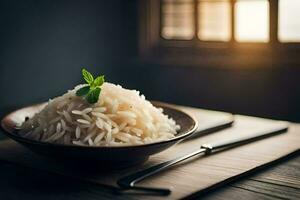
(252, 21)
(214, 20)
(289, 21)
(178, 19)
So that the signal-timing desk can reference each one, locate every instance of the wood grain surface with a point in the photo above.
(279, 181)
(191, 178)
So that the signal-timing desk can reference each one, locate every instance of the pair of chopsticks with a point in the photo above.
(128, 183)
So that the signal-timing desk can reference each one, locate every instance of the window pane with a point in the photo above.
(178, 19)
(214, 20)
(252, 20)
(289, 21)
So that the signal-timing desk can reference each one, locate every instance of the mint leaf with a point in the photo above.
(92, 91)
(83, 91)
(98, 81)
(93, 95)
(88, 77)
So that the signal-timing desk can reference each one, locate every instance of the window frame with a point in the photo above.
(154, 48)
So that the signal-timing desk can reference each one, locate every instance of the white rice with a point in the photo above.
(120, 117)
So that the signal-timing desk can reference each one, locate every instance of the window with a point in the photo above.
(177, 19)
(251, 20)
(251, 30)
(214, 20)
(289, 21)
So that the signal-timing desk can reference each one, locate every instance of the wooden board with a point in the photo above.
(279, 181)
(197, 175)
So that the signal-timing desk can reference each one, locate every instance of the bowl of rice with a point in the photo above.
(121, 127)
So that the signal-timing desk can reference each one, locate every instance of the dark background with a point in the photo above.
(44, 44)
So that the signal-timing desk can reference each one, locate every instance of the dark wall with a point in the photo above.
(44, 44)
(268, 91)
(261, 92)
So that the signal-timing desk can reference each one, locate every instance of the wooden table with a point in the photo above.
(280, 181)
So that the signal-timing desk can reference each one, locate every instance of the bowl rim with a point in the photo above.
(155, 103)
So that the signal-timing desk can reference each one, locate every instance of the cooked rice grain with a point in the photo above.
(120, 117)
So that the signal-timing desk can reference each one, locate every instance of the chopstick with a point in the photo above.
(128, 183)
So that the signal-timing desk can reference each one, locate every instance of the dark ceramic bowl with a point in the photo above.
(121, 156)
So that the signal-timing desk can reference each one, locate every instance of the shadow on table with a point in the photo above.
(19, 182)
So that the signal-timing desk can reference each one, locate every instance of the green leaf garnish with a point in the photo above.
(83, 91)
(88, 77)
(98, 81)
(93, 95)
(91, 92)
